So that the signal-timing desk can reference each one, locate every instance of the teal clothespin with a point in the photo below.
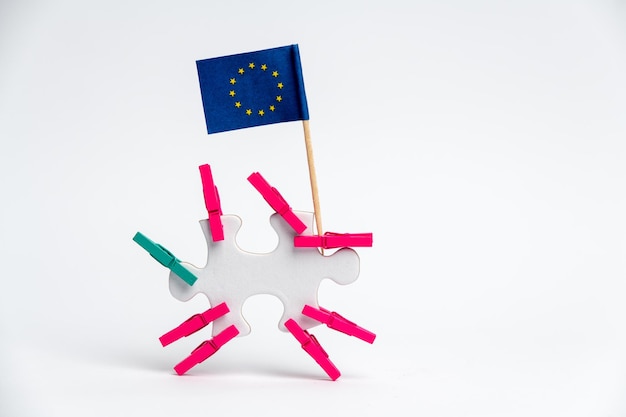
(165, 258)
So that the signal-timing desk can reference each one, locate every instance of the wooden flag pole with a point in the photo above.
(312, 176)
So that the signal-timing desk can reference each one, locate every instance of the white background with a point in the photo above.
(483, 143)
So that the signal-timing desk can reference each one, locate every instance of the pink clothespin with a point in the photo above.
(206, 349)
(276, 201)
(212, 202)
(193, 324)
(331, 240)
(339, 323)
(313, 348)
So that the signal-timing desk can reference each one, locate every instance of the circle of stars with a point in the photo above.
(262, 111)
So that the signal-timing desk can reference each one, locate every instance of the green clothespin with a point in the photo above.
(165, 258)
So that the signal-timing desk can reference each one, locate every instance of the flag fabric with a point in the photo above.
(252, 89)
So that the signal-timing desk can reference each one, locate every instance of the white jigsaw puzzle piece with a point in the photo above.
(293, 275)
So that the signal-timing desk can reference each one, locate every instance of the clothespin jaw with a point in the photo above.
(194, 323)
(212, 202)
(337, 322)
(276, 201)
(206, 349)
(330, 240)
(313, 348)
(165, 258)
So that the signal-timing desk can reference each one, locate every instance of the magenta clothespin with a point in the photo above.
(339, 323)
(193, 324)
(313, 348)
(206, 349)
(212, 202)
(330, 240)
(276, 201)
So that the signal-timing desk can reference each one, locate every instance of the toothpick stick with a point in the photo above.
(312, 176)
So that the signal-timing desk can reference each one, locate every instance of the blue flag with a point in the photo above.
(252, 89)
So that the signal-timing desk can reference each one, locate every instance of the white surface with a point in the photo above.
(481, 142)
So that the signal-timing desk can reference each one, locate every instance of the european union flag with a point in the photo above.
(252, 89)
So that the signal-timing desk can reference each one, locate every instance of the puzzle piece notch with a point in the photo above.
(232, 275)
